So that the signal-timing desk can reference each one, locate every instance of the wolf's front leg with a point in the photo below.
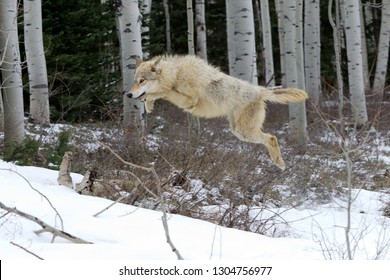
(183, 101)
(149, 105)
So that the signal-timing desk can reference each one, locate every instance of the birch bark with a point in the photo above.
(294, 69)
(11, 74)
(146, 8)
(245, 66)
(129, 20)
(36, 62)
(267, 43)
(190, 30)
(201, 32)
(352, 28)
(383, 51)
(167, 26)
(230, 34)
(312, 50)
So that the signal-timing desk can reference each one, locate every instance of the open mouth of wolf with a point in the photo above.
(142, 95)
(130, 95)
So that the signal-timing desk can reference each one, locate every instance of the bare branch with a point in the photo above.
(24, 249)
(109, 206)
(45, 227)
(44, 196)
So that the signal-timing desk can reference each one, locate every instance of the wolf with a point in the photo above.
(204, 91)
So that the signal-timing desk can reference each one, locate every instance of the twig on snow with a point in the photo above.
(44, 196)
(109, 206)
(24, 249)
(45, 227)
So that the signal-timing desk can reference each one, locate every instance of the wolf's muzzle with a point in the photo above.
(130, 95)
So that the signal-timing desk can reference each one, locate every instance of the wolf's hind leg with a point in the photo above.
(268, 140)
(246, 126)
(274, 151)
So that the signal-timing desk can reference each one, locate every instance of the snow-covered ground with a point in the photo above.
(128, 232)
(123, 231)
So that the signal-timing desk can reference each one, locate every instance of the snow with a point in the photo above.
(123, 231)
(128, 232)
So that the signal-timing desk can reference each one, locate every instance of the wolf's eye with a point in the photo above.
(141, 80)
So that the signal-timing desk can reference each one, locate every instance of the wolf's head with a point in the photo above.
(146, 79)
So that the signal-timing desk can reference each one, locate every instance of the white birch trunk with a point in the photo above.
(11, 74)
(383, 51)
(312, 50)
(146, 8)
(245, 66)
(193, 122)
(190, 30)
(337, 49)
(279, 4)
(36, 62)
(230, 34)
(167, 26)
(352, 24)
(129, 22)
(366, 72)
(201, 32)
(294, 69)
(1, 105)
(267, 43)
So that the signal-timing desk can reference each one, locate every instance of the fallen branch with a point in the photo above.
(44, 196)
(162, 201)
(45, 227)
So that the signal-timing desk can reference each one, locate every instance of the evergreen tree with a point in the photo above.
(82, 57)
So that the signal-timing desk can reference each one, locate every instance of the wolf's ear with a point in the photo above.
(138, 61)
(155, 67)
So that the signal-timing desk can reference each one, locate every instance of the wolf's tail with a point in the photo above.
(284, 95)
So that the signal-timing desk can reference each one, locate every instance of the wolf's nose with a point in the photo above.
(130, 95)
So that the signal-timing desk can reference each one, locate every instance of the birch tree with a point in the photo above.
(383, 51)
(1, 105)
(294, 69)
(128, 19)
(366, 71)
(167, 26)
(312, 50)
(201, 34)
(279, 5)
(335, 23)
(1, 86)
(351, 16)
(146, 8)
(267, 43)
(193, 122)
(190, 30)
(230, 34)
(11, 74)
(244, 65)
(36, 62)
